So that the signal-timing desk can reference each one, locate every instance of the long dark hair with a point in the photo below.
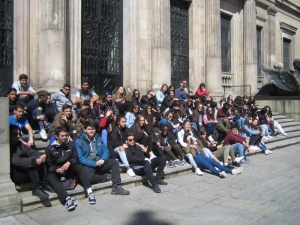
(137, 122)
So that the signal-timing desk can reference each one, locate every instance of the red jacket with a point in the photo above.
(232, 138)
(201, 92)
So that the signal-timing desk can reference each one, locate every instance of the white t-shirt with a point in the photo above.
(85, 96)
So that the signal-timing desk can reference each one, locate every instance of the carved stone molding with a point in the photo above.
(272, 10)
(288, 29)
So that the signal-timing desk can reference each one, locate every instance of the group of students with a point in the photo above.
(90, 142)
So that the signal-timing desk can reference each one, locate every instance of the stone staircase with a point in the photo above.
(29, 202)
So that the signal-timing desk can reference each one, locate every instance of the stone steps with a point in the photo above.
(29, 202)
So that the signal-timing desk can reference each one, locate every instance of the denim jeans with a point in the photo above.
(191, 159)
(104, 136)
(122, 155)
(264, 129)
(239, 122)
(210, 164)
(209, 127)
(239, 149)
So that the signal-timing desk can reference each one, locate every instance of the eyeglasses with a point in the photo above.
(67, 89)
(131, 139)
(137, 93)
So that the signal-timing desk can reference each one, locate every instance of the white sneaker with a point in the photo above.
(253, 149)
(130, 172)
(43, 134)
(270, 137)
(198, 172)
(222, 174)
(237, 171)
(265, 138)
(284, 134)
(238, 159)
(267, 152)
(210, 138)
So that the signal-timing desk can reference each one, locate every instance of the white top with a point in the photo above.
(86, 96)
(19, 88)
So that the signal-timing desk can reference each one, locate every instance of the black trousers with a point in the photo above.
(37, 175)
(147, 169)
(255, 139)
(146, 141)
(74, 171)
(94, 174)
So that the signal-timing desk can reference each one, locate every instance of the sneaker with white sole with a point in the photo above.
(238, 159)
(284, 134)
(130, 172)
(70, 204)
(269, 136)
(237, 171)
(198, 172)
(43, 134)
(210, 138)
(91, 198)
(265, 138)
(222, 174)
(267, 152)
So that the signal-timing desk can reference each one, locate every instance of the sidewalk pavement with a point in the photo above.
(267, 192)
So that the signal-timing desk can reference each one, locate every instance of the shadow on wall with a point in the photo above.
(146, 218)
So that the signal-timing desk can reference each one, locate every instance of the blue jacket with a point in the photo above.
(181, 95)
(82, 145)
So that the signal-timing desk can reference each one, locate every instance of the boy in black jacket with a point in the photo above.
(142, 165)
(28, 164)
(63, 161)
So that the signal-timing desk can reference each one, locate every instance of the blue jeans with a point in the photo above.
(191, 159)
(239, 149)
(262, 147)
(264, 129)
(104, 136)
(210, 128)
(210, 164)
(122, 155)
(194, 126)
(38, 112)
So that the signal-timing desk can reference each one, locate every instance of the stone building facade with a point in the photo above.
(145, 43)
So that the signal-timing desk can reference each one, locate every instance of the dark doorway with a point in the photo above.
(6, 48)
(179, 41)
(101, 44)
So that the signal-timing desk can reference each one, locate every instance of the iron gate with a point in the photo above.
(101, 46)
(6, 27)
(179, 41)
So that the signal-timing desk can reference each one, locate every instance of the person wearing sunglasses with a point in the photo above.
(149, 99)
(63, 96)
(142, 165)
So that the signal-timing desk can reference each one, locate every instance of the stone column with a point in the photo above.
(161, 45)
(250, 47)
(196, 44)
(271, 39)
(213, 47)
(52, 43)
(9, 200)
(21, 37)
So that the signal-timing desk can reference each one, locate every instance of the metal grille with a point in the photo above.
(286, 54)
(102, 44)
(6, 56)
(179, 41)
(225, 43)
(258, 36)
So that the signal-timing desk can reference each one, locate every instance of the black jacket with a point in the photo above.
(23, 156)
(145, 101)
(118, 137)
(135, 155)
(137, 134)
(58, 155)
(170, 138)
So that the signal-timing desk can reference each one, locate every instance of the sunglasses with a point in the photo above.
(131, 139)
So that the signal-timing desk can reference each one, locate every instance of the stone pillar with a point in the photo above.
(75, 43)
(21, 37)
(196, 44)
(9, 199)
(250, 47)
(272, 39)
(213, 47)
(161, 44)
(52, 43)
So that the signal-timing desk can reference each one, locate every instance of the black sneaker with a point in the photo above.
(156, 188)
(236, 164)
(229, 167)
(118, 190)
(70, 204)
(48, 188)
(91, 198)
(161, 182)
(40, 193)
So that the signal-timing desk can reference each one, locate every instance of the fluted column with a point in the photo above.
(271, 39)
(161, 45)
(250, 46)
(213, 47)
(52, 43)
